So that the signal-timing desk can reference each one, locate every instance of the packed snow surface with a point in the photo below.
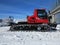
(28, 38)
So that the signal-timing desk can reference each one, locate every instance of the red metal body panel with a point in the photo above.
(35, 19)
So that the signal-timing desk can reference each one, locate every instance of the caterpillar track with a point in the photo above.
(31, 27)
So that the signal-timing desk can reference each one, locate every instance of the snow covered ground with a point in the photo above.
(28, 38)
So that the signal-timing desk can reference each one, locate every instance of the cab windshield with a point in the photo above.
(42, 14)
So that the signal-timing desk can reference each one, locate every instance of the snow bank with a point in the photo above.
(58, 27)
(5, 28)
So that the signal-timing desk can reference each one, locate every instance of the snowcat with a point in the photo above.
(39, 21)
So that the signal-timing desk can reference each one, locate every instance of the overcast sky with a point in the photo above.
(22, 8)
